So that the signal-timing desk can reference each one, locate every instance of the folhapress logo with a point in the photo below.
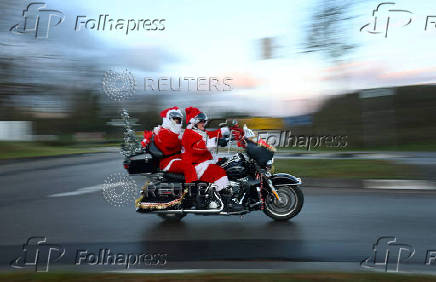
(38, 254)
(38, 20)
(388, 254)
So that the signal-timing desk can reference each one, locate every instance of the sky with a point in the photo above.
(221, 38)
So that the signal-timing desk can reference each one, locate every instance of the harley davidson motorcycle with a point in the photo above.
(252, 184)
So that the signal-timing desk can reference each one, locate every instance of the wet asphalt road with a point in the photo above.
(335, 226)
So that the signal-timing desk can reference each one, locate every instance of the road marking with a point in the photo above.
(157, 271)
(399, 184)
(196, 271)
(84, 190)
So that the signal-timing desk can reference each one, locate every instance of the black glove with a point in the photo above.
(222, 142)
(221, 161)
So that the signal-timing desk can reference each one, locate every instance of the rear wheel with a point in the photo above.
(290, 204)
(172, 216)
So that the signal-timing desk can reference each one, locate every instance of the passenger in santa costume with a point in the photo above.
(168, 139)
(198, 143)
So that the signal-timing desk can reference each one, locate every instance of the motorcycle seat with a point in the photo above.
(174, 177)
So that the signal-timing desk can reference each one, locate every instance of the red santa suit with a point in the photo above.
(167, 138)
(196, 144)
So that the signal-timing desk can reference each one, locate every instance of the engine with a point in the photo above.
(235, 167)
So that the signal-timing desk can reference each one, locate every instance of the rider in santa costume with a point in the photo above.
(168, 139)
(197, 143)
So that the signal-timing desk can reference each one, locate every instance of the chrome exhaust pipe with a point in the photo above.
(189, 211)
(234, 213)
(193, 211)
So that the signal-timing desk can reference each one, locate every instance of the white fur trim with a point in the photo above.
(201, 168)
(171, 111)
(168, 124)
(248, 132)
(221, 183)
(156, 129)
(211, 143)
(169, 164)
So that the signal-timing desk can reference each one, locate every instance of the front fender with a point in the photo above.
(284, 178)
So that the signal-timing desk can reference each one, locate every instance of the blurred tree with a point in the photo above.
(6, 89)
(328, 28)
(86, 112)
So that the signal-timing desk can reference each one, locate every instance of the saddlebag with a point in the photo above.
(141, 163)
(147, 162)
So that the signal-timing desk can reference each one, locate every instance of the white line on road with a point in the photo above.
(392, 184)
(181, 271)
(399, 184)
(84, 190)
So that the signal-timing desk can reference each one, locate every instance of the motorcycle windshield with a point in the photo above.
(259, 153)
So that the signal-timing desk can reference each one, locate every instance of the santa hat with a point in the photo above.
(166, 113)
(191, 113)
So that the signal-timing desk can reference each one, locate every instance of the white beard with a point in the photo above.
(174, 127)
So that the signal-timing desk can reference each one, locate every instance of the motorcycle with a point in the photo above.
(252, 183)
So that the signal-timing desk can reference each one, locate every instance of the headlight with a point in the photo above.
(269, 164)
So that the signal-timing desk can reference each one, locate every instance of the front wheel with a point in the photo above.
(290, 204)
(172, 216)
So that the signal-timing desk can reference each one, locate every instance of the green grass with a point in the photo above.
(317, 168)
(110, 144)
(360, 169)
(239, 277)
(404, 148)
(14, 150)
(399, 148)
